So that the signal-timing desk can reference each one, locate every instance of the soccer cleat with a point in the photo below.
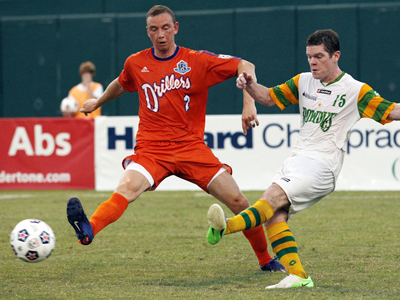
(214, 236)
(216, 219)
(78, 220)
(273, 266)
(292, 281)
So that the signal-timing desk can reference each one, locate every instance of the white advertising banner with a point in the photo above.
(372, 160)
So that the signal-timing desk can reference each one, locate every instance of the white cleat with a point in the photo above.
(216, 217)
(292, 281)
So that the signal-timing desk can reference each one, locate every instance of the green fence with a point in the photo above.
(40, 55)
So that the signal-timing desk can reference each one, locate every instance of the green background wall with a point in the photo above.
(43, 44)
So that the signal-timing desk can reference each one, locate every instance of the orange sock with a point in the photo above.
(108, 212)
(258, 241)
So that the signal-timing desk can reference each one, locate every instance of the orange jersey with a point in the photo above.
(173, 91)
(80, 94)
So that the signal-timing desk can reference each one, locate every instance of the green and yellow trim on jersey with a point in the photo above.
(372, 105)
(286, 93)
(332, 82)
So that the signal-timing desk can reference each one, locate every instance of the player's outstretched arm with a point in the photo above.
(249, 113)
(395, 113)
(113, 91)
(257, 91)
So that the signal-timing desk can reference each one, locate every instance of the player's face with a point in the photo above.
(322, 66)
(161, 29)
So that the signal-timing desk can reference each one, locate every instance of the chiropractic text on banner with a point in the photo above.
(372, 160)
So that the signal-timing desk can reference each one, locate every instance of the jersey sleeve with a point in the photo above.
(372, 105)
(219, 67)
(126, 78)
(286, 93)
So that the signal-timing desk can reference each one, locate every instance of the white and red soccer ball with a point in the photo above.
(32, 240)
(69, 107)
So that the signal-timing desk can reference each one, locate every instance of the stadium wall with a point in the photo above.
(40, 54)
(50, 7)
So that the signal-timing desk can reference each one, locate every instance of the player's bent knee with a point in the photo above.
(128, 194)
(238, 204)
(243, 202)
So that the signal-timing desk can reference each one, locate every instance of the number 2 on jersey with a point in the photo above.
(187, 100)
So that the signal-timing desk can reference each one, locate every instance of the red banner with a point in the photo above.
(46, 153)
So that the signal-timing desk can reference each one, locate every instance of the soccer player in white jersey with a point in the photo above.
(331, 102)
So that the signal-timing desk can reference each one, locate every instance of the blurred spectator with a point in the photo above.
(85, 90)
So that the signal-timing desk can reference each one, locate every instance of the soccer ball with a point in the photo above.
(69, 106)
(32, 240)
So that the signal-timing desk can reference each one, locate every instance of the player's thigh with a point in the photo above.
(152, 162)
(225, 189)
(305, 182)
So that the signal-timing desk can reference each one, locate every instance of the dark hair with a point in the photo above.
(158, 10)
(327, 37)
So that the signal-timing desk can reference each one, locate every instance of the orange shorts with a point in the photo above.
(192, 161)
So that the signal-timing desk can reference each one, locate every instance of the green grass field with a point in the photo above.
(349, 244)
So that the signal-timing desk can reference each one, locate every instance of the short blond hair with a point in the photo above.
(87, 66)
(158, 10)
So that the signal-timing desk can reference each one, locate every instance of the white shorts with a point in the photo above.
(131, 165)
(305, 182)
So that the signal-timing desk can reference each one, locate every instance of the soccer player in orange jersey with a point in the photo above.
(172, 83)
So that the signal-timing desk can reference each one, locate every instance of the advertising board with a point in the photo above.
(372, 160)
(46, 153)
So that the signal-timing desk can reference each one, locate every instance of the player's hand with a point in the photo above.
(89, 106)
(244, 80)
(249, 118)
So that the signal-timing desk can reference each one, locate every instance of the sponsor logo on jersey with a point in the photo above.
(182, 67)
(145, 70)
(318, 117)
(322, 91)
(309, 96)
(225, 56)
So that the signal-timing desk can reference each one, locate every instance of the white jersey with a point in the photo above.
(328, 114)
